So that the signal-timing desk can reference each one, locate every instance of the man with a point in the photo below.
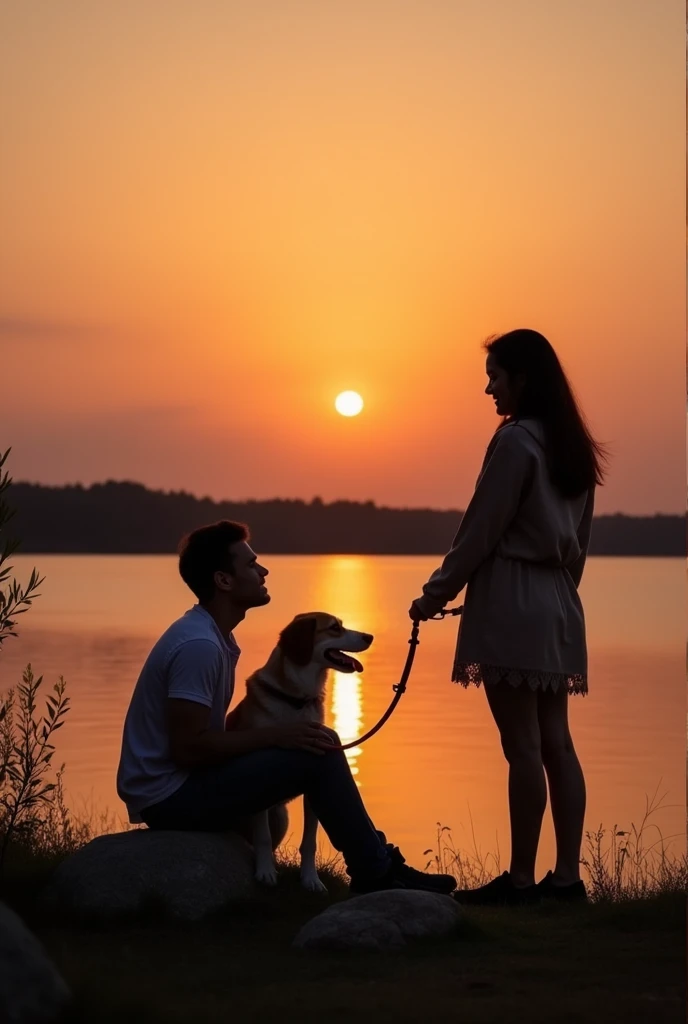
(180, 768)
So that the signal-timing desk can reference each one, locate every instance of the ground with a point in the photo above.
(622, 961)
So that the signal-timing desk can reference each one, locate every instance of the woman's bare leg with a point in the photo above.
(566, 783)
(515, 710)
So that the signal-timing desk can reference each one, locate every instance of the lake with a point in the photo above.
(438, 759)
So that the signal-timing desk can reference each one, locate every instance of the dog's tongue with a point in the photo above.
(351, 663)
(343, 661)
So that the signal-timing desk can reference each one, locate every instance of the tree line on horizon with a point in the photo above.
(121, 517)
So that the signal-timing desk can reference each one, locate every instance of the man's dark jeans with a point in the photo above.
(217, 798)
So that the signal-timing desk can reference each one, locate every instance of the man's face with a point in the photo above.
(245, 585)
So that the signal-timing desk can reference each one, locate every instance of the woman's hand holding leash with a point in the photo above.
(415, 614)
(400, 687)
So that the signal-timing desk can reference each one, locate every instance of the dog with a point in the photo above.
(291, 688)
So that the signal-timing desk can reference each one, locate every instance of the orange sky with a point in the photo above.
(217, 215)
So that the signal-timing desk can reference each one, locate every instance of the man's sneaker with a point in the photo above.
(414, 879)
(574, 893)
(400, 876)
(500, 892)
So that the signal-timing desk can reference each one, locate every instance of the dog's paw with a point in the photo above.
(311, 882)
(266, 870)
(267, 875)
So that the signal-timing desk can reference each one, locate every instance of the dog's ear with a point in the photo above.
(297, 639)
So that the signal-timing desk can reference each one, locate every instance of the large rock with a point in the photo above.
(185, 875)
(381, 920)
(31, 990)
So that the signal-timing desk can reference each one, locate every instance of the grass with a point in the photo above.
(621, 957)
(602, 962)
(617, 864)
(635, 863)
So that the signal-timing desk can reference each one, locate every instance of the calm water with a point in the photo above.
(438, 760)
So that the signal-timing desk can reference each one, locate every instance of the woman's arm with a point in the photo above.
(494, 504)
(583, 533)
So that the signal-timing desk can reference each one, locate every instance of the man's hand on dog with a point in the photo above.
(310, 736)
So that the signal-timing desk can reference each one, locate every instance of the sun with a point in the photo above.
(348, 403)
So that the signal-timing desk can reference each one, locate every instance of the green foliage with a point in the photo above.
(26, 752)
(470, 867)
(634, 863)
(27, 796)
(15, 599)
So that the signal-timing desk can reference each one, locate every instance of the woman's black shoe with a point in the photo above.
(574, 893)
(500, 892)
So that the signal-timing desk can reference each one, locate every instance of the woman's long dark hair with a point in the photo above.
(574, 458)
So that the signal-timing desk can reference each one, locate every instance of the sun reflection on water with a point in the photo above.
(347, 591)
(347, 713)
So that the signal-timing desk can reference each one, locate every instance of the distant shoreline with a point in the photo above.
(124, 518)
(24, 552)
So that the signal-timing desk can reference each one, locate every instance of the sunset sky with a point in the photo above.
(217, 215)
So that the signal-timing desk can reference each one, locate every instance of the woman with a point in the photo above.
(521, 549)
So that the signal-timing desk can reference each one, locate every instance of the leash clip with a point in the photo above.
(446, 611)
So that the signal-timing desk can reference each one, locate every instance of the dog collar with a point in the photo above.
(295, 702)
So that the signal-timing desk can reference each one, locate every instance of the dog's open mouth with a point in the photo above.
(342, 662)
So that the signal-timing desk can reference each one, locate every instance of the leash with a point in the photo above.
(400, 687)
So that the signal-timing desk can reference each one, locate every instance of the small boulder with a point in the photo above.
(381, 921)
(31, 990)
(183, 875)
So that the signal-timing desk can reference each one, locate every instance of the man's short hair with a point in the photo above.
(205, 551)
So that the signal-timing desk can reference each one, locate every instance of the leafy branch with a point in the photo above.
(27, 799)
(26, 750)
(14, 598)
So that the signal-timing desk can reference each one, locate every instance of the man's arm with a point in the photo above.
(193, 744)
(194, 674)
